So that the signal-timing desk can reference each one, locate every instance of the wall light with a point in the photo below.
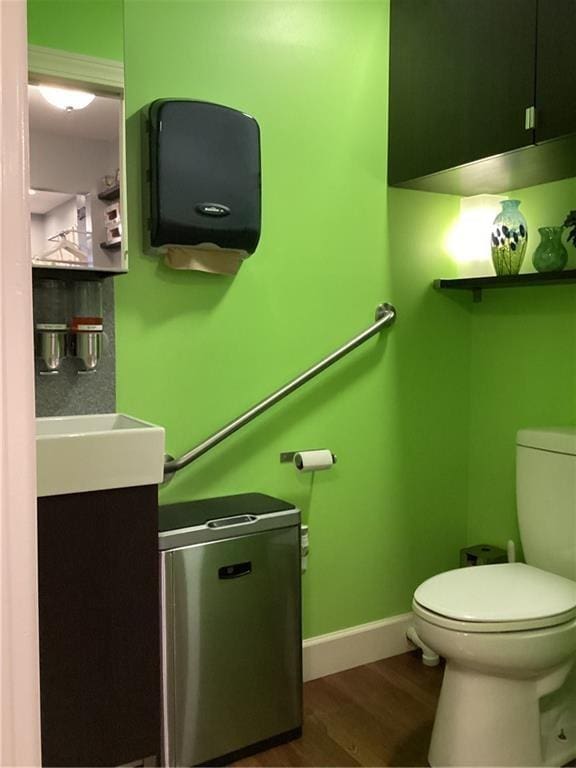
(468, 242)
(66, 99)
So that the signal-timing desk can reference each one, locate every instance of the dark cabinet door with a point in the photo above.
(99, 627)
(461, 79)
(556, 69)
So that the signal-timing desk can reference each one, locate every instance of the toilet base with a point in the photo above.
(558, 723)
(487, 720)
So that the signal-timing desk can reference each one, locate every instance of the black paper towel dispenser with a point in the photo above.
(202, 184)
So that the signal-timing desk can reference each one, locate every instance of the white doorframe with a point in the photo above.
(50, 65)
(19, 659)
(19, 667)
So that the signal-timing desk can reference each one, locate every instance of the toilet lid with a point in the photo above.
(507, 592)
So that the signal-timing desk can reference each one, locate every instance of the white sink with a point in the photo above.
(75, 454)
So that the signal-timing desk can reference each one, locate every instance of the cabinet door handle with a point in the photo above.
(530, 118)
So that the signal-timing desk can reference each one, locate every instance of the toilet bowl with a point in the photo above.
(508, 634)
(508, 631)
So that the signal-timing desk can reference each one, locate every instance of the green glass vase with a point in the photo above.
(550, 254)
(509, 239)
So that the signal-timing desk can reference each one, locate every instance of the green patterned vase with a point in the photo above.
(550, 254)
(509, 239)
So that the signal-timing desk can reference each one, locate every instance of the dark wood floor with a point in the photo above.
(380, 714)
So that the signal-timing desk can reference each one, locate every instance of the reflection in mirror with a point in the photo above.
(74, 183)
(61, 228)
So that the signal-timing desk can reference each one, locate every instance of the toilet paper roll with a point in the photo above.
(312, 461)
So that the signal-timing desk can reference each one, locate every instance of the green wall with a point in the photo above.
(422, 419)
(523, 371)
(89, 27)
(194, 350)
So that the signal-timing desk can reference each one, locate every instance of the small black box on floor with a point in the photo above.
(482, 554)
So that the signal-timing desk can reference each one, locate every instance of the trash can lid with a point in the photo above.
(190, 513)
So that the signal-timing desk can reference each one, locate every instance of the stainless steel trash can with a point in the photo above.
(231, 628)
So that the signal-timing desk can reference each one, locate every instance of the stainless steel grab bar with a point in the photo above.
(385, 315)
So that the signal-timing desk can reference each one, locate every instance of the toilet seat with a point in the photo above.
(496, 598)
(488, 627)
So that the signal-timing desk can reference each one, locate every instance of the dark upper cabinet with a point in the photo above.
(556, 70)
(463, 77)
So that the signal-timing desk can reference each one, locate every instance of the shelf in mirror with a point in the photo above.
(110, 194)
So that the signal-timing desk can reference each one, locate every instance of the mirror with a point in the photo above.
(75, 183)
(60, 227)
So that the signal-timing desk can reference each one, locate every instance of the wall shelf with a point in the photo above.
(478, 284)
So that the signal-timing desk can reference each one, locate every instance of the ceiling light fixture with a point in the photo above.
(66, 99)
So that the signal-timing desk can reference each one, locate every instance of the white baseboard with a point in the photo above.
(337, 651)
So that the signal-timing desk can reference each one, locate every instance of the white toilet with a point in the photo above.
(508, 632)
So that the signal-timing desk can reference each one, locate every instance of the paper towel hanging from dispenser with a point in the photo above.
(202, 184)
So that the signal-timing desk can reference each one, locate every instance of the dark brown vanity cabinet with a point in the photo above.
(99, 627)
(478, 91)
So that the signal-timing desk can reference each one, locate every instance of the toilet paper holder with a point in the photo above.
(287, 457)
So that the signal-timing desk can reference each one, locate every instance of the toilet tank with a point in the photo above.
(546, 498)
